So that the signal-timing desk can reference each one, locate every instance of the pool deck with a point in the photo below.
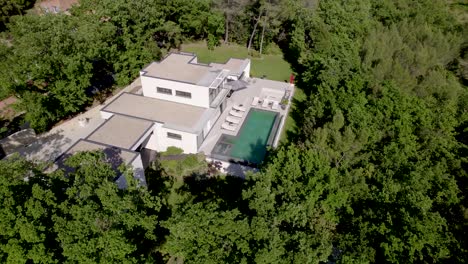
(245, 97)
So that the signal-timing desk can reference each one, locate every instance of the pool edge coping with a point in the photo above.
(237, 160)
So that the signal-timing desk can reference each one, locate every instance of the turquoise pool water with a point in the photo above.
(251, 141)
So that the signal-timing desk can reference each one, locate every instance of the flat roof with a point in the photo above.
(235, 66)
(174, 114)
(114, 155)
(121, 131)
(180, 67)
(183, 67)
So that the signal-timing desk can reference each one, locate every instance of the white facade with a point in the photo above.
(160, 141)
(209, 124)
(198, 121)
(144, 138)
(157, 138)
(189, 139)
(247, 71)
(199, 94)
(138, 170)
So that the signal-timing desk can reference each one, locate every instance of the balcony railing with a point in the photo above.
(219, 79)
(219, 97)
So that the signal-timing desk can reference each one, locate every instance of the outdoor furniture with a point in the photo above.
(237, 114)
(275, 105)
(232, 119)
(255, 101)
(229, 127)
(239, 108)
(265, 103)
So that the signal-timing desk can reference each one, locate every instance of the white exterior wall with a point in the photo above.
(200, 94)
(106, 115)
(188, 142)
(143, 138)
(247, 70)
(211, 122)
(160, 142)
(138, 170)
(153, 143)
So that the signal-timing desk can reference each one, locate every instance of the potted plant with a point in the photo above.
(283, 103)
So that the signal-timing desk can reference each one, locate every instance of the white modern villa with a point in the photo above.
(217, 109)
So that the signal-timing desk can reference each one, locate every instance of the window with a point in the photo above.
(164, 90)
(183, 94)
(174, 136)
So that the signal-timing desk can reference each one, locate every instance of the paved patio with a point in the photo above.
(51, 144)
(256, 88)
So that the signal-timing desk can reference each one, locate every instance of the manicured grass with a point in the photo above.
(290, 124)
(274, 67)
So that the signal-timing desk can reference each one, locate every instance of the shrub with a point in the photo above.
(190, 161)
(212, 42)
(272, 49)
(172, 151)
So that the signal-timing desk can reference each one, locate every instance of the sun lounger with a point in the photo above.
(255, 101)
(275, 105)
(232, 119)
(228, 127)
(236, 114)
(239, 108)
(265, 103)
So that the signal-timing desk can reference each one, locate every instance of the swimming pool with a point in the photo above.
(257, 131)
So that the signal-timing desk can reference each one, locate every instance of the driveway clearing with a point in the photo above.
(53, 143)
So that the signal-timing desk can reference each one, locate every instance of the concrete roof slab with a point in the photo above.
(121, 131)
(156, 110)
(178, 67)
(115, 156)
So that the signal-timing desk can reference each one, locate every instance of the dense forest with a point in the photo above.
(375, 172)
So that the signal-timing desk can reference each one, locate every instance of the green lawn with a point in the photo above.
(290, 124)
(273, 66)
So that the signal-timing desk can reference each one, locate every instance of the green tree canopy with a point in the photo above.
(9, 8)
(80, 216)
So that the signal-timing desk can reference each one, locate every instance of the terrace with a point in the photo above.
(264, 90)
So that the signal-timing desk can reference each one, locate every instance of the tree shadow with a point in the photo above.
(18, 140)
(148, 156)
(253, 158)
(158, 182)
(298, 114)
(226, 190)
(112, 156)
(159, 185)
(102, 80)
(12, 126)
(47, 147)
